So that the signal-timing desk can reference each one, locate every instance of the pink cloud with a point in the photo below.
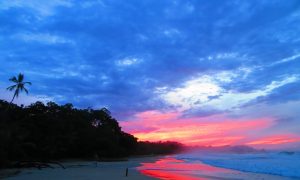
(213, 130)
(275, 140)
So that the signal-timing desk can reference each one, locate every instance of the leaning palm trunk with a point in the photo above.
(11, 102)
(13, 98)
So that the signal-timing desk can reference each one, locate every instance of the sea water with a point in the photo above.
(276, 163)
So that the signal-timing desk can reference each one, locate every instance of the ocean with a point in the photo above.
(199, 165)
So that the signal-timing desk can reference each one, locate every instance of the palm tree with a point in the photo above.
(19, 85)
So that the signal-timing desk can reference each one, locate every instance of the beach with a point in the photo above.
(171, 168)
(145, 168)
(82, 170)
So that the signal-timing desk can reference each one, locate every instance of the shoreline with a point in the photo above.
(276, 176)
(174, 168)
(139, 168)
(84, 169)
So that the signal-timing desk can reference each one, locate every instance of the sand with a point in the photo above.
(145, 168)
(83, 170)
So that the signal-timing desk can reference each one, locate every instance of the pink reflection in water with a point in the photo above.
(174, 169)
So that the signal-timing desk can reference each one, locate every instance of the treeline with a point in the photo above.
(146, 147)
(52, 132)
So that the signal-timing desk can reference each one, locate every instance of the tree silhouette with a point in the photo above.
(31, 135)
(50, 132)
(19, 85)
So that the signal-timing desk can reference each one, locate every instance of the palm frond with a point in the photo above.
(19, 85)
(25, 90)
(13, 79)
(28, 83)
(10, 88)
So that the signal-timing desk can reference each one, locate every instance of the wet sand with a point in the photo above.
(174, 169)
(146, 168)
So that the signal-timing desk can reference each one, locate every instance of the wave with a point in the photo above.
(283, 163)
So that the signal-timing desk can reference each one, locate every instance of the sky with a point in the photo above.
(195, 71)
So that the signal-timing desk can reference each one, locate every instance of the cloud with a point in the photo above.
(274, 140)
(25, 99)
(207, 92)
(215, 131)
(197, 58)
(171, 33)
(229, 100)
(44, 9)
(42, 38)
(90, 4)
(288, 59)
(195, 91)
(223, 56)
(282, 112)
(128, 61)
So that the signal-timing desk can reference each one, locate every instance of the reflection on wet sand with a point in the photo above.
(169, 168)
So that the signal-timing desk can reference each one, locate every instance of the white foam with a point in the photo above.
(283, 164)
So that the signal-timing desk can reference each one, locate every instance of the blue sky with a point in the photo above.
(236, 59)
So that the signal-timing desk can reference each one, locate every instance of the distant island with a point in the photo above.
(50, 132)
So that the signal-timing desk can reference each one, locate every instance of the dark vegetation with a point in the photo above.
(49, 132)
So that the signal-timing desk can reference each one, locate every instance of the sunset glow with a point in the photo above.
(275, 140)
(150, 89)
(202, 131)
(199, 72)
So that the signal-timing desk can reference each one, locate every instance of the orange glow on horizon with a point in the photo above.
(215, 141)
(202, 131)
(274, 140)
